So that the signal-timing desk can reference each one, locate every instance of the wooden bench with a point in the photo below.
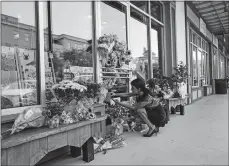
(28, 147)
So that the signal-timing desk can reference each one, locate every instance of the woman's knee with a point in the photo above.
(141, 111)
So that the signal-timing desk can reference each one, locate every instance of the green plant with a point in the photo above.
(180, 75)
(78, 57)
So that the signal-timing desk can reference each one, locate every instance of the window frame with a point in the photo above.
(26, 36)
(13, 113)
(203, 49)
(9, 115)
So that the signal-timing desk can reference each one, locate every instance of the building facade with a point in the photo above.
(37, 44)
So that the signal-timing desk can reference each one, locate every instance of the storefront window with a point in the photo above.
(19, 67)
(203, 72)
(113, 64)
(222, 66)
(199, 41)
(155, 54)
(45, 23)
(228, 68)
(72, 25)
(193, 38)
(203, 45)
(143, 5)
(215, 63)
(200, 59)
(194, 67)
(199, 66)
(173, 11)
(138, 43)
(156, 10)
(117, 25)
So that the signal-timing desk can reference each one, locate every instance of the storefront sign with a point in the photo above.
(193, 17)
(203, 28)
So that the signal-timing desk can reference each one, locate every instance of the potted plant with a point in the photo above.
(178, 79)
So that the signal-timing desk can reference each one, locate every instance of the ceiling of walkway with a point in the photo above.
(215, 14)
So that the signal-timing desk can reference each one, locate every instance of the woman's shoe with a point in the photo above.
(151, 132)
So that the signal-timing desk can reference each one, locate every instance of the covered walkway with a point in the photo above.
(198, 138)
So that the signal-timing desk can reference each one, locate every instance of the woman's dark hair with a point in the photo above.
(139, 83)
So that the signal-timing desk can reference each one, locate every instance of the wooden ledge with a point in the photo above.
(37, 133)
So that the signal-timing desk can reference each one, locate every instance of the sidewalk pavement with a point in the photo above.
(198, 138)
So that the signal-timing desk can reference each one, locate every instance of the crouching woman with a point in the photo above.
(151, 112)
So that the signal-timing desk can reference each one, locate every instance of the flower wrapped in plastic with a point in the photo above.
(54, 122)
(29, 118)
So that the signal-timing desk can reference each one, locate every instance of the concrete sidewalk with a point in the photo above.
(198, 138)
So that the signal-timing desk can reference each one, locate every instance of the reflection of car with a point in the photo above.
(26, 95)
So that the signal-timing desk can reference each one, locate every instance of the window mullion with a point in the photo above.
(41, 58)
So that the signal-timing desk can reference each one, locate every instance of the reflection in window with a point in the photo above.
(222, 67)
(155, 54)
(143, 5)
(199, 65)
(215, 62)
(16, 35)
(174, 47)
(227, 68)
(18, 57)
(194, 68)
(114, 62)
(203, 72)
(26, 37)
(115, 26)
(138, 43)
(156, 10)
(72, 25)
(194, 38)
(45, 26)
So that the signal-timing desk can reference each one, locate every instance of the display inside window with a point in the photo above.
(18, 56)
(113, 54)
(71, 39)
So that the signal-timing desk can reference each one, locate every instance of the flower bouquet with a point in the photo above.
(112, 51)
(67, 90)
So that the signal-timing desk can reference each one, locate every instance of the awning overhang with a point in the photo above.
(215, 14)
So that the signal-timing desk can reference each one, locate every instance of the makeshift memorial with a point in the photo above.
(110, 142)
(75, 102)
(29, 118)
